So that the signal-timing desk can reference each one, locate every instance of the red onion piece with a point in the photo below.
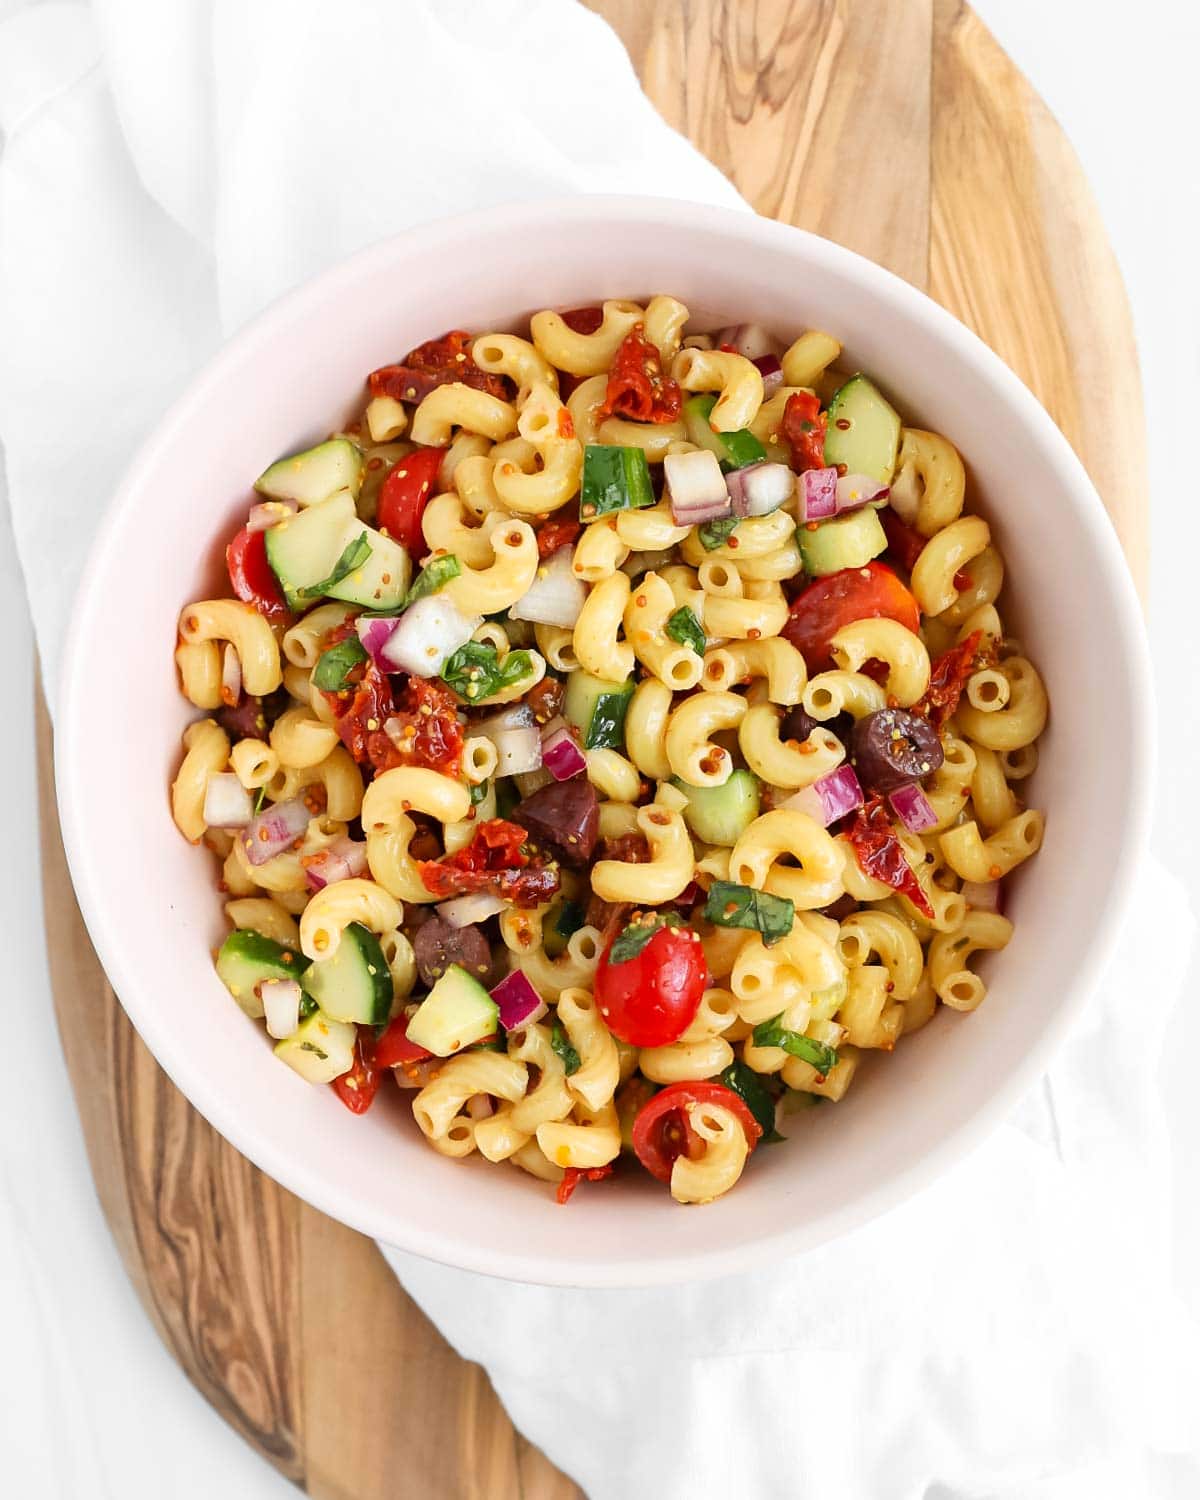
(830, 798)
(227, 803)
(696, 487)
(274, 830)
(913, 808)
(262, 517)
(231, 676)
(427, 635)
(751, 340)
(771, 370)
(374, 636)
(855, 490)
(556, 595)
(281, 1002)
(466, 911)
(758, 489)
(818, 494)
(561, 756)
(519, 1003)
(342, 860)
(985, 895)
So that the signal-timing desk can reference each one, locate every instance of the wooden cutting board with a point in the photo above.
(897, 127)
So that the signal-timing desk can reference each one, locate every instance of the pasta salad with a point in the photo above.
(611, 739)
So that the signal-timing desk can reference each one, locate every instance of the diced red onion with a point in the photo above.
(561, 756)
(696, 487)
(281, 1002)
(269, 513)
(855, 490)
(275, 829)
(556, 596)
(476, 906)
(480, 1106)
(427, 636)
(344, 859)
(830, 798)
(913, 808)
(231, 676)
(518, 1002)
(227, 803)
(818, 494)
(983, 895)
(750, 340)
(771, 370)
(374, 635)
(758, 489)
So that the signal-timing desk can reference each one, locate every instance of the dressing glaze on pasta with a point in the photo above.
(613, 739)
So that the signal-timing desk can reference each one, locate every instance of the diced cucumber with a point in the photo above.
(863, 432)
(456, 1012)
(320, 1049)
(304, 550)
(614, 478)
(734, 449)
(721, 814)
(597, 709)
(354, 984)
(246, 958)
(314, 475)
(848, 541)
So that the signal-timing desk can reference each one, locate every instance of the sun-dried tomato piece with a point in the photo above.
(497, 860)
(437, 362)
(803, 429)
(880, 853)
(573, 1176)
(948, 676)
(556, 534)
(638, 386)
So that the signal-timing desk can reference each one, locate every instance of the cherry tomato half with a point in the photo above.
(838, 599)
(404, 495)
(651, 999)
(357, 1088)
(661, 1131)
(251, 575)
(394, 1048)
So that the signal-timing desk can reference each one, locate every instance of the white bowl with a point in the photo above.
(149, 898)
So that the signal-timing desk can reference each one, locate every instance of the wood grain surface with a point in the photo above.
(957, 178)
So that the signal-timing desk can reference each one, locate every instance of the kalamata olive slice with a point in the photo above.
(564, 815)
(798, 724)
(437, 944)
(892, 747)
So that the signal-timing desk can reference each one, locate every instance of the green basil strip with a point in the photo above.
(684, 627)
(260, 799)
(479, 791)
(354, 555)
(337, 663)
(795, 1044)
(730, 905)
(435, 575)
(475, 672)
(751, 1089)
(570, 919)
(630, 942)
(713, 533)
(558, 1040)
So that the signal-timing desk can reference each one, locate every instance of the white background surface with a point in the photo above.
(77, 1341)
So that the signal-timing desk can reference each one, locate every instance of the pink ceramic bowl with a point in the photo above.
(149, 899)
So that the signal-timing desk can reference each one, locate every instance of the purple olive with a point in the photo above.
(799, 724)
(437, 944)
(566, 816)
(892, 747)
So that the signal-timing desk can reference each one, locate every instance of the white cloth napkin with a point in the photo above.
(167, 169)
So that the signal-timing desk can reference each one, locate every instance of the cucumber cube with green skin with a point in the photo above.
(597, 709)
(354, 983)
(246, 958)
(614, 478)
(734, 450)
(848, 541)
(862, 435)
(721, 814)
(314, 475)
(304, 550)
(320, 1049)
(382, 581)
(456, 1013)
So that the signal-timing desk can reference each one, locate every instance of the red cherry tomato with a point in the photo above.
(404, 495)
(662, 1132)
(393, 1048)
(651, 999)
(251, 575)
(357, 1088)
(828, 603)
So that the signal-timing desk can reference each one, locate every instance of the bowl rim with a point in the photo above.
(289, 1168)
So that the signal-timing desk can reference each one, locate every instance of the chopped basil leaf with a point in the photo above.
(475, 672)
(435, 575)
(561, 1045)
(629, 943)
(795, 1044)
(259, 800)
(570, 918)
(312, 1047)
(752, 1089)
(684, 627)
(730, 905)
(337, 663)
(307, 1006)
(354, 555)
(606, 728)
(713, 533)
(507, 797)
(479, 790)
